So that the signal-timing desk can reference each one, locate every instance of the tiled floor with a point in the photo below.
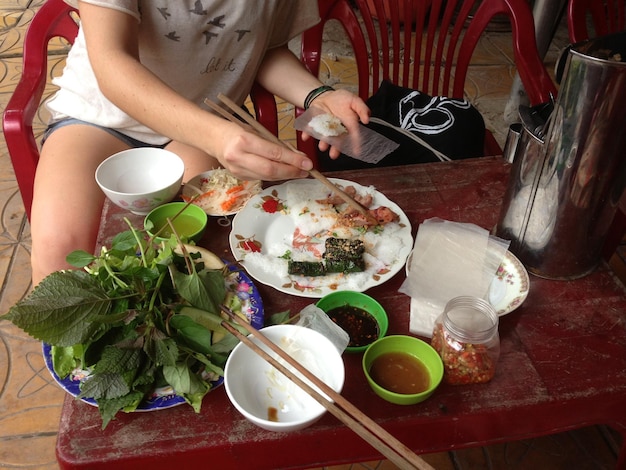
(30, 402)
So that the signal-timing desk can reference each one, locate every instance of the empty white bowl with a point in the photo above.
(269, 399)
(141, 179)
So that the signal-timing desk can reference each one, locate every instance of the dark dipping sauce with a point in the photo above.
(360, 325)
(400, 372)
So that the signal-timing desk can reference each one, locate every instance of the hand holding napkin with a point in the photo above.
(449, 259)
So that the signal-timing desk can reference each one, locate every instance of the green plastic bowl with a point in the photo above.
(359, 300)
(417, 348)
(189, 224)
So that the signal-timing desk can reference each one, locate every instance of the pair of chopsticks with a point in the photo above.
(263, 132)
(337, 405)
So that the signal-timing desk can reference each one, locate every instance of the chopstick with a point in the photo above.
(257, 126)
(341, 408)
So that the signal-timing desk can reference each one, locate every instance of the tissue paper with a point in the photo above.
(449, 259)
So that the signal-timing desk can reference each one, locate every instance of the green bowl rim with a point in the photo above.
(204, 218)
(425, 393)
(382, 326)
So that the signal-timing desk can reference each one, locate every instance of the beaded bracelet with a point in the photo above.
(315, 93)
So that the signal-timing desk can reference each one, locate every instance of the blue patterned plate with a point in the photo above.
(238, 283)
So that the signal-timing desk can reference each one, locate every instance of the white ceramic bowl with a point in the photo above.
(141, 179)
(259, 391)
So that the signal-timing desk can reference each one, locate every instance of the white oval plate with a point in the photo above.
(262, 233)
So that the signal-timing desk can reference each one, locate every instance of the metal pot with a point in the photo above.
(569, 168)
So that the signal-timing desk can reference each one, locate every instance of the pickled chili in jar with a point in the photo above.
(466, 337)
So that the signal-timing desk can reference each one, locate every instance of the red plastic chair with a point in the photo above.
(435, 55)
(55, 19)
(607, 16)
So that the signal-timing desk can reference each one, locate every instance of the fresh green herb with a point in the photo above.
(137, 316)
(280, 318)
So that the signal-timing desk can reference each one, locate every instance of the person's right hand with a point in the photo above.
(249, 156)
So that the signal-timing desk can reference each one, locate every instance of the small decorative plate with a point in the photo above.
(252, 306)
(509, 288)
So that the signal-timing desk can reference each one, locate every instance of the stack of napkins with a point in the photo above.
(449, 259)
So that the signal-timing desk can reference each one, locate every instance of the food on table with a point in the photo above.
(220, 192)
(344, 255)
(463, 362)
(137, 318)
(351, 217)
(341, 256)
(400, 372)
(327, 125)
(361, 326)
(284, 233)
(306, 268)
(210, 259)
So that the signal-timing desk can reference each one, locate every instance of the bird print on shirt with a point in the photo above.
(241, 33)
(164, 12)
(217, 22)
(198, 9)
(208, 35)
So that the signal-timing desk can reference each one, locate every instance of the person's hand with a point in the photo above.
(248, 156)
(348, 107)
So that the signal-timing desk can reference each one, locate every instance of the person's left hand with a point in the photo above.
(348, 107)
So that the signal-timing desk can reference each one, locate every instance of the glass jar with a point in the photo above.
(466, 337)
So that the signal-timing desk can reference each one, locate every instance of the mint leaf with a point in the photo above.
(63, 360)
(124, 241)
(113, 374)
(104, 385)
(80, 258)
(192, 334)
(278, 318)
(61, 310)
(187, 384)
(165, 352)
(109, 407)
(119, 360)
(205, 289)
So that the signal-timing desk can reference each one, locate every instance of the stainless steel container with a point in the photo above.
(569, 172)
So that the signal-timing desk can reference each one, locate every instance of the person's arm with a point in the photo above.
(282, 74)
(112, 45)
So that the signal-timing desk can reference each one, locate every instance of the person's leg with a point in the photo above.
(196, 161)
(67, 203)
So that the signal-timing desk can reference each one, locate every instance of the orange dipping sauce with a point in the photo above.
(400, 372)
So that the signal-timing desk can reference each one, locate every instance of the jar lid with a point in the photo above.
(470, 319)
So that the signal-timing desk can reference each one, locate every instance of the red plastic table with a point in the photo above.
(562, 366)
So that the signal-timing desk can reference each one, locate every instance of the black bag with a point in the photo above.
(451, 126)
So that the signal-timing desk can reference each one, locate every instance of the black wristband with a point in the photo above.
(315, 93)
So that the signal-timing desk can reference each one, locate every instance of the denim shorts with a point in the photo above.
(133, 143)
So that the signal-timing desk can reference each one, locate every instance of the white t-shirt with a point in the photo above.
(200, 48)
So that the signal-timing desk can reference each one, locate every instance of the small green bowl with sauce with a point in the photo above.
(402, 369)
(361, 316)
(189, 224)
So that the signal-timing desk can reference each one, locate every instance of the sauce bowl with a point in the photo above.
(361, 316)
(189, 221)
(402, 369)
